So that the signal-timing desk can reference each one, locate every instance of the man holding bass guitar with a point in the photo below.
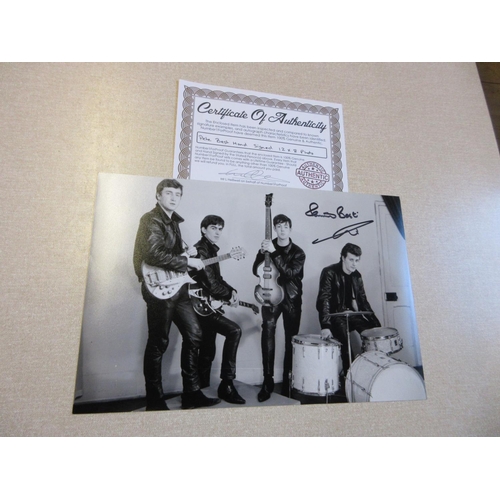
(161, 262)
(213, 287)
(280, 265)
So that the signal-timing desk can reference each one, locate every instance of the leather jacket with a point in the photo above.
(289, 261)
(331, 294)
(159, 242)
(210, 277)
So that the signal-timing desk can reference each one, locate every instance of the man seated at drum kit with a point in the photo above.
(342, 302)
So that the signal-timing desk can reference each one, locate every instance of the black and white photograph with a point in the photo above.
(207, 295)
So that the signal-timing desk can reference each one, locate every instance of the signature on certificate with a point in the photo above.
(254, 175)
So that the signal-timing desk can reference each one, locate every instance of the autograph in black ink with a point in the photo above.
(339, 213)
(253, 175)
(352, 230)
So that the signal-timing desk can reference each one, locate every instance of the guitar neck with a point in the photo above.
(268, 235)
(214, 260)
(268, 223)
(245, 304)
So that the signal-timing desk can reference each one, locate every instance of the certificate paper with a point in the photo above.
(246, 137)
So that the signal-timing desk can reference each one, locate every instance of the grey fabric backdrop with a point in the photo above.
(420, 131)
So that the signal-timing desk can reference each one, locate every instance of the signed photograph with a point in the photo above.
(254, 138)
(205, 294)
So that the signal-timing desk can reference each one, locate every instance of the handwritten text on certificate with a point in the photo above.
(244, 137)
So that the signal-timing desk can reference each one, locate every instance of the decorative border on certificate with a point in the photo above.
(311, 174)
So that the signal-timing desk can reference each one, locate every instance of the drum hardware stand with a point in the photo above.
(350, 353)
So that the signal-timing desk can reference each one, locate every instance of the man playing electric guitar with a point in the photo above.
(159, 243)
(211, 281)
(288, 258)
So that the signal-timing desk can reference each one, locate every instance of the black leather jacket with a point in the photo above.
(159, 242)
(331, 294)
(289, 261)
(210, 277)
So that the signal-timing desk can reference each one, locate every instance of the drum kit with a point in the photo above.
(316, 365)
(372, 376)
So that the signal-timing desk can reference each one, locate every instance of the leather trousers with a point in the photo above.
(161, 313)
(339, 332)
(211, 326)
(291, 323)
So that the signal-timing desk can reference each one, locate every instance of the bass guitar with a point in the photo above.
(205, 305)
(164, 284)
(268, 292)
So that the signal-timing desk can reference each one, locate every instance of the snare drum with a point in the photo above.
(316, 365)
(386, 340)
(377, 377)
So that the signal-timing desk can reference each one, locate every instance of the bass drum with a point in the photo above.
(386, 340)
(316, 365)
(375, 376)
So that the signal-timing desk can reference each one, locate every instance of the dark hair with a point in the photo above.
(168, 183)
(350, 248)
(280, 219)
(211, 220)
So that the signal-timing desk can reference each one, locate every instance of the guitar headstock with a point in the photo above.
(269, 200)
(238, 253)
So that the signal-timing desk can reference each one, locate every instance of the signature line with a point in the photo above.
(353, 230)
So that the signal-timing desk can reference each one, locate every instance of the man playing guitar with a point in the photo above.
(213, 285)
(159, 243)
(288, 259)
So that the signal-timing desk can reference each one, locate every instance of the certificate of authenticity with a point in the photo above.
(246, 137)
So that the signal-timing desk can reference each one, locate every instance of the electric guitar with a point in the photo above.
(268, 292)
(205, 305)
(164, 284)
